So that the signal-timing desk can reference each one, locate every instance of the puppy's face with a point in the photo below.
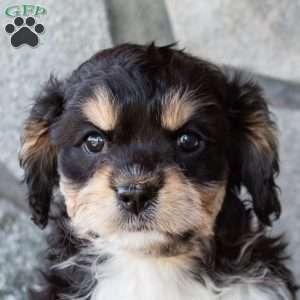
(144, 163)
(143, 142)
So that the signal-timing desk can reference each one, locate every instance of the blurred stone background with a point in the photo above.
(261, 37)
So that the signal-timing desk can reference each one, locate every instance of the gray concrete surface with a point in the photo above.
(289, 181)
(12, 189)
(139, 21)
(261, 36)
(21, 244)
(282, 94)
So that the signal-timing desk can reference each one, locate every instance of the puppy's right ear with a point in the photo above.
(38, 156)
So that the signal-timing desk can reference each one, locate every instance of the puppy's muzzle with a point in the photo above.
(137, 188)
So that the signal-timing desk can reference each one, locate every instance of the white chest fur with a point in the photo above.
(138, 278)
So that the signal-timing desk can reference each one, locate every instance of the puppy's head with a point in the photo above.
(148, 140)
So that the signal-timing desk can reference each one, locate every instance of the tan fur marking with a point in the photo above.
(212, 198)
(91, 208)
(177, 108)
(101, 110)
(35, 141)
(70, 192)
(184, 206)
(262, 134)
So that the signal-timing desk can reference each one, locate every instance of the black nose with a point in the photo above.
(133, 199)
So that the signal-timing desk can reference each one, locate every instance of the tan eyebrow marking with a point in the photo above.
(177, 108)
(101, 110)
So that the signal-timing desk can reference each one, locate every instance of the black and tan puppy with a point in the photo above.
(138, 159)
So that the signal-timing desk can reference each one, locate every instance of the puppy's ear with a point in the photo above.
(253, 153)
(38, 155)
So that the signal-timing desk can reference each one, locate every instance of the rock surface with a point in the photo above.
(261, 36)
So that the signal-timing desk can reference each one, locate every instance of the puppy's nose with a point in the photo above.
(133, 200)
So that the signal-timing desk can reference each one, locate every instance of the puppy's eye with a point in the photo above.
(189, 142)
(94, 143)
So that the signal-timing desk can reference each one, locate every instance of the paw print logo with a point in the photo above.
(24, 32)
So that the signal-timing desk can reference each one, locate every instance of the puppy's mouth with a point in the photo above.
(143, 221)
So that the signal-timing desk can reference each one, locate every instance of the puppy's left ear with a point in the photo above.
(38, 155)
(253, 150)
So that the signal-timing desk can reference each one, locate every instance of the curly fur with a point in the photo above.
(230, 254)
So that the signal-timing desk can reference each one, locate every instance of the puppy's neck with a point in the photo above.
(118, 267)
(153, 245)
(132, 275)
(134, 272)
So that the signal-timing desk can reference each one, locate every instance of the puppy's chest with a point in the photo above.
(128, 278)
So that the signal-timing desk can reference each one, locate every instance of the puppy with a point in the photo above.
(139, 160)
